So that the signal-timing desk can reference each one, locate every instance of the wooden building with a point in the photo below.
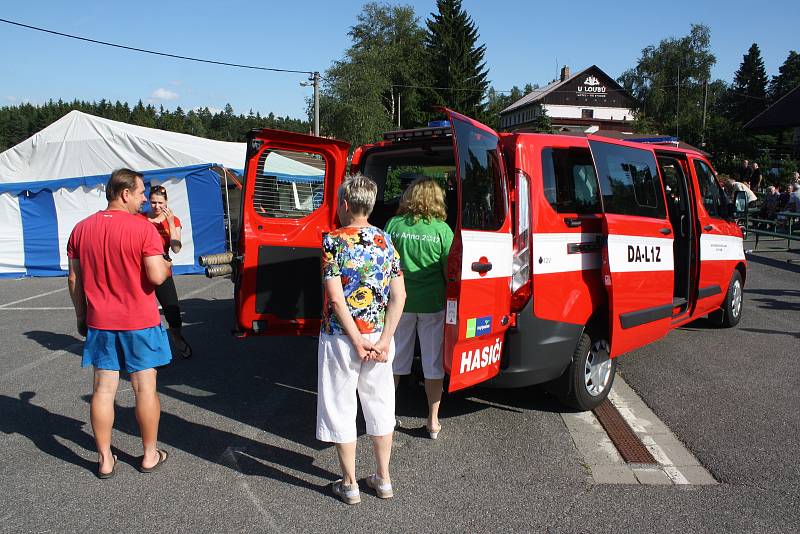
(575, 102)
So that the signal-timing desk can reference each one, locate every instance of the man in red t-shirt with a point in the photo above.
(115, 260)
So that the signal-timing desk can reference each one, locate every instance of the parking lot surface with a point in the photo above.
(238, 420)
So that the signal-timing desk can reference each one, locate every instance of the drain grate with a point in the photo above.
(625, 440)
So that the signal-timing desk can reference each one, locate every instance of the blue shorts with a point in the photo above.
(133, 350)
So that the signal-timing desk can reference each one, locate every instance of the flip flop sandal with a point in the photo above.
(110, 474)
(185, 349)
(162, 458)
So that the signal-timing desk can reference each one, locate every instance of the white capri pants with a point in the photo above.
(340, 374)
(431, 336)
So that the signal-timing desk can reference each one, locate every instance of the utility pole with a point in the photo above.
(398, 108)
(705, 102)
(678, 102)
(315, 79)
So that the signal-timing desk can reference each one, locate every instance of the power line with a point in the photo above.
(154, 52)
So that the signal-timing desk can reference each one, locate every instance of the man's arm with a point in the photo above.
(157, 269)
(76, 293)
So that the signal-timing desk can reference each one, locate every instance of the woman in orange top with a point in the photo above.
(169, 228)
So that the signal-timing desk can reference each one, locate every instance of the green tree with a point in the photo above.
(542, 122)
(787, 79)
(455, 61)
(378, 78)
(668, 83)
(748, 93)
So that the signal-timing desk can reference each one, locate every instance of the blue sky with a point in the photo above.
(525, 41)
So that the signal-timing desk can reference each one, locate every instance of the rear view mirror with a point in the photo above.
(739, 204)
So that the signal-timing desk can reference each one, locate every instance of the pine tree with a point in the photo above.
(787, 79)
(748, 94)
(455, 61)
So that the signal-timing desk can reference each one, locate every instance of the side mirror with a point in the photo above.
(739, 207)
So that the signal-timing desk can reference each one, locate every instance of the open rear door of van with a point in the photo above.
(289, 200)
(479, 265)
(638, 258)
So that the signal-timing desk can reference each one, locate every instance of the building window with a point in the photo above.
(587, 113)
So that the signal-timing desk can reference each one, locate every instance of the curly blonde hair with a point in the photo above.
(424, 199)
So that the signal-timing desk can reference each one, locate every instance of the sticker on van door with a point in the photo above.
(451, 316)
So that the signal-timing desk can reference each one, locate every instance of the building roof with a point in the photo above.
(538, 94)
(785, 113)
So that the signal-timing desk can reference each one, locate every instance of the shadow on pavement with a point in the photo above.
(56, 341)
(20, 416)
(775, 262)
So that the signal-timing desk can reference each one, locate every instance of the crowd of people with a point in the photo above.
(775, 198)
(383, 288)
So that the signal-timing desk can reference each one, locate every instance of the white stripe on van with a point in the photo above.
(628, 253)
(550, 253)
(496, 247)
(721, 247)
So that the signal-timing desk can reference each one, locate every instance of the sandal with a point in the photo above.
(110, 474)
(162, 458)
(182, 346)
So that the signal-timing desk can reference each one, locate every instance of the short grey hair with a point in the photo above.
(359, 192)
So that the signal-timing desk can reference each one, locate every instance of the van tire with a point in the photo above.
(579, 388)
(730, 313)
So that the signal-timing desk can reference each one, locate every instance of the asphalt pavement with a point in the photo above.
(238, 420)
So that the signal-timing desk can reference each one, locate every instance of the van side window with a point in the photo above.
(483, 196)
(629, 181)
(709, 188)
(570, 183)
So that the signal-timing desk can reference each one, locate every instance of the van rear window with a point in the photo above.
(288, 185)
(570, 183)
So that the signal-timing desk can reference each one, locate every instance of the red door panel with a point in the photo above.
(637, 260)
(720, 241)
(289, 200)
(479, 265)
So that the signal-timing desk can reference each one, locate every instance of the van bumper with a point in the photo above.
(535, 351)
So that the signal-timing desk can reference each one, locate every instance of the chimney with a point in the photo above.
(564, 73)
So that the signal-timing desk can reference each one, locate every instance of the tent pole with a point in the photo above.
(228, 207)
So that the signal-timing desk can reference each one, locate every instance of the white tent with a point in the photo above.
(54, 179)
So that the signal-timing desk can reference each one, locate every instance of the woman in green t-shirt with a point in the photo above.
(422, 239)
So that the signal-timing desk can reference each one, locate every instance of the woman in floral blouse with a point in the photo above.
(364, 298)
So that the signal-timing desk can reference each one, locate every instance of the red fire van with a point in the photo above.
(568, 250)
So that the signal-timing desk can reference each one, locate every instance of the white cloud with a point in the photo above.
(163, 94)
(10, 98)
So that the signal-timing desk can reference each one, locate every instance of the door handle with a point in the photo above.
(573, 222)
(481, 267)
(665, 231)
(708, 227)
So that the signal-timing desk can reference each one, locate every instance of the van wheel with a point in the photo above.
(730, 313)
(589, 378)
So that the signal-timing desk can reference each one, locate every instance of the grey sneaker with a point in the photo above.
(382, 489)
(347, 493)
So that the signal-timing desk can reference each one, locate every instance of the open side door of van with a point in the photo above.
(638, 260)
(479, 265)
(289, 200)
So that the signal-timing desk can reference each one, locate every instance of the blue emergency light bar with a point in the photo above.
(438, 124)
(656, 140)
